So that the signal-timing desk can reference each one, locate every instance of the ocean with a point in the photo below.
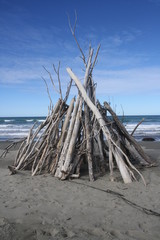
(18, 127)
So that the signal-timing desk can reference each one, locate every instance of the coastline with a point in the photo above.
(18, 127)
(42, 207)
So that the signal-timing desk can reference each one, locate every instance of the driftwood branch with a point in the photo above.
(50, 76)
(58, 76)
(11, 145)
(137, 126)
(48, 92)
(73, 30)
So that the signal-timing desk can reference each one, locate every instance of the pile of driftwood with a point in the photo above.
(83, 131)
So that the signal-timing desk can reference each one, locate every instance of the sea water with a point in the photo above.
(150, 127)
(18, 127)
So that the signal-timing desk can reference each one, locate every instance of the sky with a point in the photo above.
(36, 33)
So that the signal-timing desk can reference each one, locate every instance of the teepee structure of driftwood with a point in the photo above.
(82, 131)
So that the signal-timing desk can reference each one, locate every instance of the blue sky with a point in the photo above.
(35, 33)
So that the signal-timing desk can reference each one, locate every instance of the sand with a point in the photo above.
(42, 207)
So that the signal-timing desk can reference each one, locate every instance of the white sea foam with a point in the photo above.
(8, 131)
(143, 127)
(14, 130)
(20, 128)
(145, 130)
(4, 126)
(9, 120)
(16, 127)
(14, 134)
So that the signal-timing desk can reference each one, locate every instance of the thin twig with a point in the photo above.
(48, 92)
(121, 196)
(137, 126)
(57, 72)
(68, 90)
(73, 29)
(6, 150)
(95, 59)
(51, 79)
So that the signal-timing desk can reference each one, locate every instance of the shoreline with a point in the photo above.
(43, 207)
(18, 127)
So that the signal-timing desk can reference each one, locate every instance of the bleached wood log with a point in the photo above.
(63, 135)
(89, 143)
(66, 122)
(64, 169)
(122, 166)
(67, 140)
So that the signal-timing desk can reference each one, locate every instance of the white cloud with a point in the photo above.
(121, 38)
(26, 50)
(135, 80)
(17, 76)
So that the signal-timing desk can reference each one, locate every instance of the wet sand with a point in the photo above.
(42, 207)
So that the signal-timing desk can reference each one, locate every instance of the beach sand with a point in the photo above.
(42, 207)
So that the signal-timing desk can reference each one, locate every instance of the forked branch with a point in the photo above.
(73, 31)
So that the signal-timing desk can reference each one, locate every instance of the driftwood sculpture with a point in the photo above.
(83, 131)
